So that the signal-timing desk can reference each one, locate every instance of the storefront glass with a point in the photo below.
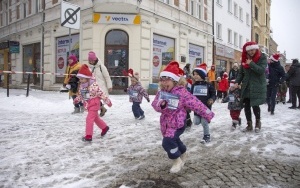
(31, 62)
(196, 55)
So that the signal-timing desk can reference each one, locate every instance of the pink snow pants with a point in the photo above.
(92, 117)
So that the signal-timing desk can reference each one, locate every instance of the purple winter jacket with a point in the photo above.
(137, 92)
(173, 119)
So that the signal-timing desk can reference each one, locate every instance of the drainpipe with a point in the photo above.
(42, 48)
(213, 30)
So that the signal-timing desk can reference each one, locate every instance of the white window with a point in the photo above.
(165, 1)
(200, 11)
(247, 19)
(235, 38)
(241, 13)
(230, 6)
(240, 41)
(229, 36)
(219, 2)
(219, 31)
(235, 10)
(192, 8)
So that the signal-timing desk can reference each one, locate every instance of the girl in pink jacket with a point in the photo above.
(91, 94)
(172, 101)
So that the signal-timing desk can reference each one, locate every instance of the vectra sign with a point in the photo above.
(117, 18)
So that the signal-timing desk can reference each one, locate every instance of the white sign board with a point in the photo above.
(70, 15)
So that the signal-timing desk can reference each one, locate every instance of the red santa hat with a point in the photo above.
(251, 46)
(201, 70)
(173, 71)
(131, 74)
(84, 72)
(275, 57)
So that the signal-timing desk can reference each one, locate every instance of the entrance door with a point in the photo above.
(116, 57)
(4, 66)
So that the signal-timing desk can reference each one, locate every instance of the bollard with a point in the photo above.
(7, 84)
(28, 80)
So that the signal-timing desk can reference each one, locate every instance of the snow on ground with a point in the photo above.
(40, 141)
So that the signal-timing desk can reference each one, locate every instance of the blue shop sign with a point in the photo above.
(14, 47)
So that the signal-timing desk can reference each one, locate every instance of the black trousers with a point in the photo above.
(295, 91)
(247, 110)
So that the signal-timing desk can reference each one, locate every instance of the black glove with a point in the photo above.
(148, 100)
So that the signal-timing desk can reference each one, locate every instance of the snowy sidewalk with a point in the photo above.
(41, 147)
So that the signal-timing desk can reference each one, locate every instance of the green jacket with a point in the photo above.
(253, 82)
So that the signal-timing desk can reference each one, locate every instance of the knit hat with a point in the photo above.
(133, 75)
(201, 70)
(84, 72)
(275, 57)
(73, 57)
(173, 71)
(92, 56)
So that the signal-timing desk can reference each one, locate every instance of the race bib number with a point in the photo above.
(231, 98)
(133, 93)
(85, 94)
(172, 100)
(200, 90)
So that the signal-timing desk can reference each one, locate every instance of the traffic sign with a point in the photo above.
(70, 15)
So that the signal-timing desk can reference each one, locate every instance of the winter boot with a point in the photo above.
(240, 121)
(269, 108)
(102, 111)
(76, 110)
(205, 139)
(233, 127)
(177, 165)
(257, 125)
(249, 127)
(184, 157)
(141, 117)
(104, 131)
(81, 109)
(87, 138)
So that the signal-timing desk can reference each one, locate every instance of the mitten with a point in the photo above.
(148, 100)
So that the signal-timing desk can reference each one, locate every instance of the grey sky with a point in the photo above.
(285, 23)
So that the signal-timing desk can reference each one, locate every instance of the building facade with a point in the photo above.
(272, 46)
(140, 34)
(261, 24)
(232, 21)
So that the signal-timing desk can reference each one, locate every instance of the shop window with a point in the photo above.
(116, 57)
(31, 62)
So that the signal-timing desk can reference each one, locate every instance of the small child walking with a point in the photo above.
(223, 86)
(91, 94)
(234, 104)
(136, 93)
(172, 101)
(206, 93)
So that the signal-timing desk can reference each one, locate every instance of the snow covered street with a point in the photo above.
(41, 146)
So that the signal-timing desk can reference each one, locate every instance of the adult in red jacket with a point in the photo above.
(223, 85)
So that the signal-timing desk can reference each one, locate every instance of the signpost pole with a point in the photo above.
(69, 42)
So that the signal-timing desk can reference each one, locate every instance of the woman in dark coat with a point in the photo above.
(252, 77)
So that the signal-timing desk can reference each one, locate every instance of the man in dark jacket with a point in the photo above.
(276, 76)
(293, 75)
(233, 73)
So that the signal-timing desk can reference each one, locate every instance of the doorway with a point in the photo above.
(116, 57)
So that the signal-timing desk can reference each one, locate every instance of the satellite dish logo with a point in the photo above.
(107, 18)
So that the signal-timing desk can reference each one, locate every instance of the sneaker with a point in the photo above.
(292, 107)
(104, 131)
(76, 110)
(205, 139)
(289, 101)
(141, 117)
(81, 109)
(87, 138)
(233, 127)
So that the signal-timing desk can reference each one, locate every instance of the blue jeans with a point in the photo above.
(204, 123)
(76, 105)
(271, 97)
(174, 146)
(136, 109)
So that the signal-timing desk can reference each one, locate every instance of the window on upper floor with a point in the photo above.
(230, 6)
(235, 39)
(192, 7)
(256, 12)
(266, 42)
(229, 36)
(200, 9)
(219, 31)
(176, 3)
(235, 10)
(240, 41)
(205, 10)
(256, 38)
(18, 11)
(267, 19)
(241, 13)
(247, 19)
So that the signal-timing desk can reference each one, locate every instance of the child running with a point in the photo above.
(206, 93)
(91, 94)
(172, 101)
(136, 93)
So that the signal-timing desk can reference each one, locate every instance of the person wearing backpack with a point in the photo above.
(102, 76)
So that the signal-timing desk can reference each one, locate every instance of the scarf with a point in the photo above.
(255, 59)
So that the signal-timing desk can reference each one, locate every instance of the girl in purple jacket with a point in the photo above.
(172, 101)
(136, 93)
